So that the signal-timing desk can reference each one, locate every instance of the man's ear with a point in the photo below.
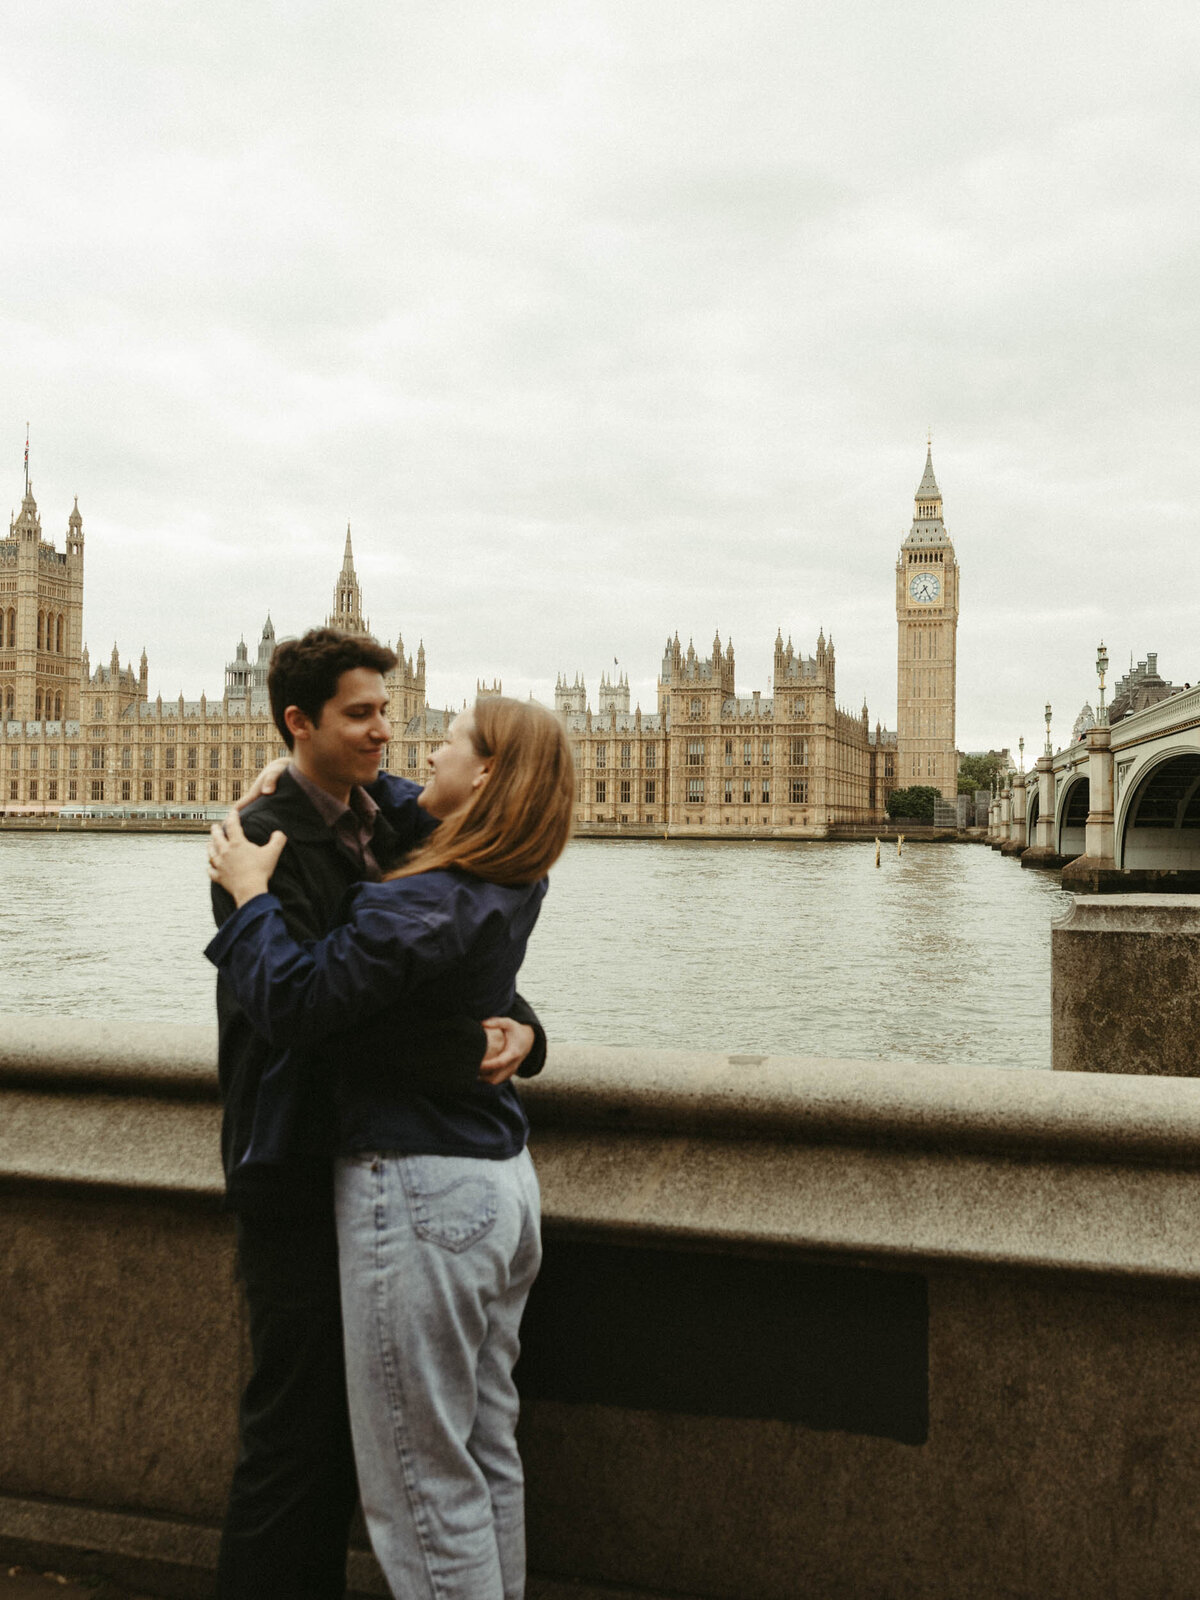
(299, 723)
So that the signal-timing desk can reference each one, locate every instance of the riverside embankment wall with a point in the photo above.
(846, 1329)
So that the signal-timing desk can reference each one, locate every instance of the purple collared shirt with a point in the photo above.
(352, 826)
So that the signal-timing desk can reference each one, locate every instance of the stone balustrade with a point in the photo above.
(839, 1328)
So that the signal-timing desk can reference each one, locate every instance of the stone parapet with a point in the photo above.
(796, 1331)
(1125, 985)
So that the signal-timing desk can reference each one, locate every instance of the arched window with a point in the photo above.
(8, 701)
(37, 711)
(58, 708)
(41, 625)
(12, 629)
(59, 634)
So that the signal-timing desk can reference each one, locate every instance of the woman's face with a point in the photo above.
(456, 770)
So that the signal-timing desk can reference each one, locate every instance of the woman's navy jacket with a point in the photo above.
(438, 942)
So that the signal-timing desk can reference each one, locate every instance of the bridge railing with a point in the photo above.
(1177, 711)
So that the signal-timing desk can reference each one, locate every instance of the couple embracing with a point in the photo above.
(370, 933)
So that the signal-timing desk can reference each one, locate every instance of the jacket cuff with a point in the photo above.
(244, 917)
(522, 1011)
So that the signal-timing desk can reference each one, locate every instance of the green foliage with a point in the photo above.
(916, 802)
(977, 772)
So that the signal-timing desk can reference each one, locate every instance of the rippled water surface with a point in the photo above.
(942, 954)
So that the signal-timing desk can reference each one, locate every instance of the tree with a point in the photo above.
(916, 802)
(977, 772)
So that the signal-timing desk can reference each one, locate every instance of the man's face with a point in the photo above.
(345, 747)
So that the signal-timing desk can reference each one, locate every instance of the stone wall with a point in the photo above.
(848, 1329)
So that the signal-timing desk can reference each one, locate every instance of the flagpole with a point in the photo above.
(27, 460)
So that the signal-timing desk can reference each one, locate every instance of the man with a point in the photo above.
(294, 1487)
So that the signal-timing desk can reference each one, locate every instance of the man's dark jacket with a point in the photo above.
(279, 1129)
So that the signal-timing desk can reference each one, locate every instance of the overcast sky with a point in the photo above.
(600, 321)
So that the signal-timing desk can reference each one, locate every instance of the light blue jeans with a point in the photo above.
(437, 1256)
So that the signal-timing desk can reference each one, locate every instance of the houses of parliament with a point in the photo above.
(76, 739)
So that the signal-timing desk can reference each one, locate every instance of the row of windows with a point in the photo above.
(797, 789)
(925, 644)
(51, 630)
(624, 791)
(51, 705)
(925, 684)
(154, 731)
(696, 709)
(624, 754)
(125, 789)
(797, 752)
(98, 758)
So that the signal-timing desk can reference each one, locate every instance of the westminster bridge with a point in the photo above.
(1119, 810)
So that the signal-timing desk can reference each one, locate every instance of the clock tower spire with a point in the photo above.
(927, 624)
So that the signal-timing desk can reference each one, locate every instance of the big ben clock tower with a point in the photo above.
(927, 623)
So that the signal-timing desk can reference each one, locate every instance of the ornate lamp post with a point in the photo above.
(1049, 746)
(1101, 668)
(1021, 748)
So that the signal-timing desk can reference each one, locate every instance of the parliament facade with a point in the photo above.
(77, 740)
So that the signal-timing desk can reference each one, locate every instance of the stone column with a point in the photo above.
(1045, 824)
(1100, 838)
(1006, 816)
(1041, 852)
(1125, 985)
(1015, 844)
(1096, 869)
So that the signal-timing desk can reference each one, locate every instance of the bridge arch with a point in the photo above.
(1070, 819)
(1158, 815)
(1031, 817)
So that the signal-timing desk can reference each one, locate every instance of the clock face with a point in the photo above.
(925, 587)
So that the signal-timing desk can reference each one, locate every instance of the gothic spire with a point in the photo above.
(347, 600)
(927, 488)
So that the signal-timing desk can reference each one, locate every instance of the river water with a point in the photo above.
(941, 954)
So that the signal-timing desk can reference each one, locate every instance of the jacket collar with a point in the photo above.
(293, 812)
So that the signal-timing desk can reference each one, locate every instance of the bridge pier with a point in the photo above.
(1125, 985)
(1042, 852)
(1095, 871)
(1003, 810)
(1014, 845)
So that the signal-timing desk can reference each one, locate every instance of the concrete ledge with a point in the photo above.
(112, 1056)
(805, 1327)
(899, 1105)
(97, 1068)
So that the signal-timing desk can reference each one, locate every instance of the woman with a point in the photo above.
(437, 1202)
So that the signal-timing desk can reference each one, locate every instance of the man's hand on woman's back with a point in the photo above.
(508, 1043)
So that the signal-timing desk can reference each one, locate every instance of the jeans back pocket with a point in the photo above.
(451, 1199)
